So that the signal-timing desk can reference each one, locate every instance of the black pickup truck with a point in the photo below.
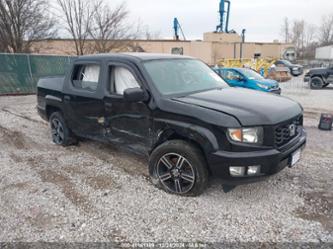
(179, 113)
(295, 69)
(319, 77)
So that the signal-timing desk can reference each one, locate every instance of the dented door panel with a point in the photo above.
(128, 124)
(84, 115)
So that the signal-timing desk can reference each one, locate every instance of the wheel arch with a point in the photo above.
(319, 76)
(51, 109)
(201, 138)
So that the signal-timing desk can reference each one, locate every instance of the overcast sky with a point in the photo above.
(261, 18)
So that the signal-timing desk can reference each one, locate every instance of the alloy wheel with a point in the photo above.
(316, 83)
(176, 173)
(57, 130)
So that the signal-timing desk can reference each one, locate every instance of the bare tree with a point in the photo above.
(22, 22)
(306, 37)
(151, 35)
(78, 15)
(310, 41)
(285, 30)
(110, 29)
(144, 32)
(326, 30)
(310, 34)
(297, 35)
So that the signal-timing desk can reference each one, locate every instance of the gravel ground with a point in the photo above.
(96, 193)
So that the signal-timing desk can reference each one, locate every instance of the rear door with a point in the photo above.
(127, 123)
(83, 100)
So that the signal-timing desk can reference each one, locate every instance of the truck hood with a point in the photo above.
(318, 70)
(249, 107)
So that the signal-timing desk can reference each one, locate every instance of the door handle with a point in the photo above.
(67, 98)
(107, 104)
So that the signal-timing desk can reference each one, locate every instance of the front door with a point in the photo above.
(128, 124)
(330, 76)
(84, 105)
(233, 78)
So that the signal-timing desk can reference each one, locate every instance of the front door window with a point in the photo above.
(122, 79)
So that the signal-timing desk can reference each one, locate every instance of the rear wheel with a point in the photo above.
(61, 134)
(179, 168)
(316, 83)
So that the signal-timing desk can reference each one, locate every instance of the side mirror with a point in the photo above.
(135, 95)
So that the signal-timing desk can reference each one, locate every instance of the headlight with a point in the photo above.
(253, 135)
(263, 86)
(295, 68)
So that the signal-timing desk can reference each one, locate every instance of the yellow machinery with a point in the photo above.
(256, 64)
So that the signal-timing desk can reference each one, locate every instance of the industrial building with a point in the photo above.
(213, 48)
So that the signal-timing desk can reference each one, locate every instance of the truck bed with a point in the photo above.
(49, 88)
(54, 83)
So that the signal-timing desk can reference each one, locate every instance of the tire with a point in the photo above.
(178, 168)
(61, 134)
(316, 83)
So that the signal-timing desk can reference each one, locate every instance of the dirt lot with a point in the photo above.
(94, 192)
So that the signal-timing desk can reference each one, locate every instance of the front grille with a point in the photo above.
(287, 131)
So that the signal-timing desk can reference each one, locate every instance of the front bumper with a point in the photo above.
(276, 91)
(297, 72)
(272, 161)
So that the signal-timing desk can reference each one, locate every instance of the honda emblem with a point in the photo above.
(292, 130)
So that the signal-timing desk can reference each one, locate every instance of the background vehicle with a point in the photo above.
(177, 112)
(295, 69)
(319, 77)
(247, 78)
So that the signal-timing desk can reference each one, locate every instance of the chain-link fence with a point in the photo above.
(19, 73)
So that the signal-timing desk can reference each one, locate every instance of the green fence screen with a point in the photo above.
(19, 73)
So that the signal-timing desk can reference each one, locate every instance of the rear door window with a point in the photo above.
(86, 77)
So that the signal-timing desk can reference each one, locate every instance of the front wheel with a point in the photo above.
(179, 168)
(316, 83)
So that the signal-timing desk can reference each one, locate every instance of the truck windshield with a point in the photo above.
(181, 76)
(287, 63)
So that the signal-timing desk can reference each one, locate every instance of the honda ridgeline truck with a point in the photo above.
(179, 113)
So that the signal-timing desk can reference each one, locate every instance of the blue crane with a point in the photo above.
(177, 27)
(224, 12)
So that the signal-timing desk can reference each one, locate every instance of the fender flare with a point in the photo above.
(202, 136)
